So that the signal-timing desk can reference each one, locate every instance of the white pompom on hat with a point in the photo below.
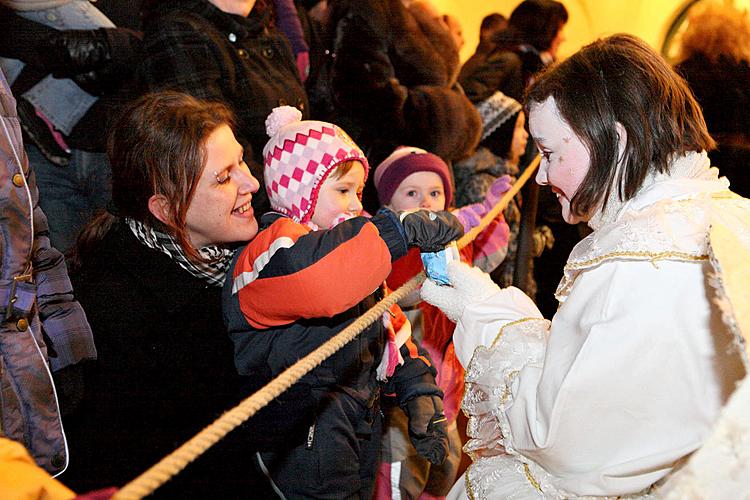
(299, 156)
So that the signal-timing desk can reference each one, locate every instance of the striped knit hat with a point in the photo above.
(496, 110)
(298, 158)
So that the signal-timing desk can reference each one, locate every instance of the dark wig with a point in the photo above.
(620, 79)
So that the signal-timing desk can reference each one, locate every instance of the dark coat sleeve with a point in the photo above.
(481, 76)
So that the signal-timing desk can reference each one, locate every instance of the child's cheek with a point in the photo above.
(397, 205)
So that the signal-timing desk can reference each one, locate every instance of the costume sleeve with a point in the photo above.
(590, 405)
(68, 334)
(319, 274)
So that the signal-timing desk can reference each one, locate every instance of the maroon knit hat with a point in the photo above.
(403, 162)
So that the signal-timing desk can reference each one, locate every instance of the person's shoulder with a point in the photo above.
(175, 17)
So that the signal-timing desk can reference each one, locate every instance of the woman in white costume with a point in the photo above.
(629, 378)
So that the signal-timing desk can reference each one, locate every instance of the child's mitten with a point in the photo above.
(430, 231)
(428, 430)
(468, 285)
(471, 215)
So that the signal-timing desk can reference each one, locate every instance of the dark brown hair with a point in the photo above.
(157, 146)
(535, 22)
(620, 79)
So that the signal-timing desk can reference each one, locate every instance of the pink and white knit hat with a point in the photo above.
(298, 158)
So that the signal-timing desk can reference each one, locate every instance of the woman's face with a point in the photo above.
(565, 159)
(340, 198)
(422, 189)
(220, 210)
(520, 138)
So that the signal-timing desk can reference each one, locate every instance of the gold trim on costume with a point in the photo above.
(502, 330)
(652, 256)
(531, 479)
(469, 490)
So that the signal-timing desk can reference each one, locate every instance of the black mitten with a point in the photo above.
(428, 429)
(430, 231)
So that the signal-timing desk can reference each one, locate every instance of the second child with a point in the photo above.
(314, 268)
(412, 178)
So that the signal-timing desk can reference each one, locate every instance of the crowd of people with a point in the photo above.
(235, 182)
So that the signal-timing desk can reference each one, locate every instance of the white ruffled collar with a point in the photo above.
(688, 174)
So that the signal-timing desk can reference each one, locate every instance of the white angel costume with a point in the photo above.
(630, 377)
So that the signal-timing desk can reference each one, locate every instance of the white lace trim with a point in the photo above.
(667, 229)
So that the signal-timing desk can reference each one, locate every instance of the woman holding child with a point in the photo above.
(630, 377)
(149, 274)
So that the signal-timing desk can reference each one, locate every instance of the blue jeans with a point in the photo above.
(61, 100)
(70, 195)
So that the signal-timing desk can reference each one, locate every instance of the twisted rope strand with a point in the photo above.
(175, 462)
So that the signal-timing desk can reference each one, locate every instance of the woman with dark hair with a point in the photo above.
(527, 45)
(646, 347)
(149, 273)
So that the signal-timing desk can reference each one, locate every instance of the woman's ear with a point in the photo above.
(159, 208)
(622, 141)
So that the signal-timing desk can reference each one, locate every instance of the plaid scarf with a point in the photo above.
(217, 258)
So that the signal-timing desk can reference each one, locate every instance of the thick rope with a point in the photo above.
(175, 462)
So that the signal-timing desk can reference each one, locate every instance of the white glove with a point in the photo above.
(468, 285)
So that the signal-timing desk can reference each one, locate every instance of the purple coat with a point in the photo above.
(43, 328)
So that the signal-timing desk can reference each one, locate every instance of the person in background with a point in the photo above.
(715, 48)
(290, 24)
(601, 401)
(504, 140)
(530, 42)
(44, 329)
(99, 61)
(316, 235)
(227, 51)
(388, 91)
(491, 24)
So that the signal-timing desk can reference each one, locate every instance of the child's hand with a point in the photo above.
(468, 285)
(430, 231)
(471, 215)
(496, 191)
(428, 430)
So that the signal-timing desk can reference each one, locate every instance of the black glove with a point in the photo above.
(428, 431)
(430, 231)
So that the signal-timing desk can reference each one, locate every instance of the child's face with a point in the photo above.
(340, 197)
(520, 138)
(565, 158)
(419, 190)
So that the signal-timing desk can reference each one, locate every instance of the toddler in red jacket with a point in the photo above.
(412, 178)
(316, 266)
